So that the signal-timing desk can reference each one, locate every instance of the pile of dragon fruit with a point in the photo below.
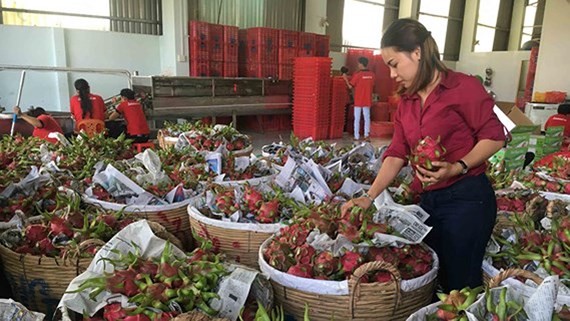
(205, 137)
(291, 251)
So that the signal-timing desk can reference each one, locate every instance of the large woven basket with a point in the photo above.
(172, 216)
(39, 282)
(240, 242)
(166, 142)
(369, 301)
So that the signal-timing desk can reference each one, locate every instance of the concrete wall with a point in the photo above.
(39, 46)
(553, 69)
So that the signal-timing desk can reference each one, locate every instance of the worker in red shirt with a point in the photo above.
(133, 113)
(86, 105)
(439, 102)
(363, 84)
(560, 119)
(42, 122)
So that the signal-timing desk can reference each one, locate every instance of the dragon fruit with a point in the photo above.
(301, 270)
(225, 202)
(268, 211)
(326, 264)
(253, 198)
(427, 151)
(305, 254)
(114, 311)
(59, 226)
(383, 254)
(36, 232)
(350, 261)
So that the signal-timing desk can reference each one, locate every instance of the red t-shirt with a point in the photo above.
(559, 120)
(134, 116)
(97, 112)
(49, 125)
(363, 83)
(458, 110)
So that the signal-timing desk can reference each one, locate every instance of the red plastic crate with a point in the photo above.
(262, 45)
(288, 39)
(322, 46)
(199, 68)
(287, 55)
(261, 70)
(199, 30)
(231, 34)
(231, 43)
(286, 71)
(242, 46)
(199, 50)
(307, 44)
(242, 70)
(380, 111)
(216, 69)
(381, 129)
(216, 42)
(230, 69)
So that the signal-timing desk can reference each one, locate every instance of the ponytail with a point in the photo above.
(82, 86)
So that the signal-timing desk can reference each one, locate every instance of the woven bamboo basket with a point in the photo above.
(173, 217)
(365, 301)
(240, 242)
(166, 142)
(509, 273)
(39, 282)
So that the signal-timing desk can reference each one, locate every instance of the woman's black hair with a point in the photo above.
(36, 111)
(128, 93)
(83, 87)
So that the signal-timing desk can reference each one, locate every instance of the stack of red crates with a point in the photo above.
(230, 51)
(288, 45)
(339, 99)
(311, 97)
(307, 44)
(216, 50)
(385, 86)
(322, 45)
(261, 52)
(199, 48)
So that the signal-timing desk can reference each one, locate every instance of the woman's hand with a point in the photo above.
(363, 202)
(17, 111)
(444, 172)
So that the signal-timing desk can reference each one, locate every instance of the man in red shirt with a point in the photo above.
(42, 122)
(363, 84)
(560, 119)
(132, 111)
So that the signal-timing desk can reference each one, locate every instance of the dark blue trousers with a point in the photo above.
(462, 216)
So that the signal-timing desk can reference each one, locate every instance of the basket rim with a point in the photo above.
(137, 208)
(272, 228)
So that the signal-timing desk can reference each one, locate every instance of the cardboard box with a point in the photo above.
(523, 123)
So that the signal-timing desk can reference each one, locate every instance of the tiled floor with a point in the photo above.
(261, 139)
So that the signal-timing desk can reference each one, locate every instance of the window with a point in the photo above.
(493, 25)
(105, 15)
(444, 19)
(364, 21)
(532, 23)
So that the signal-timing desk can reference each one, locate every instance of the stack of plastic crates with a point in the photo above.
(311, 97)
(230, 51)
(339, 99)
(199, 47)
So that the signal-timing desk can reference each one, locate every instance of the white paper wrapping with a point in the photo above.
(137, 208)
(333, 287)
(257, 227)
(11, 310)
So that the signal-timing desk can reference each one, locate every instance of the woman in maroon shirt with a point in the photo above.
(439, 102)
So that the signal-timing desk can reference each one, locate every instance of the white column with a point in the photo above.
(174, 39)
(315, 13)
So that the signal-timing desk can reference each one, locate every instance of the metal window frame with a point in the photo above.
(152, 22)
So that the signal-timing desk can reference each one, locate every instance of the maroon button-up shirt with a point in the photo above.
(458, 110)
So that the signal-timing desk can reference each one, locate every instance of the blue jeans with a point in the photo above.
(462, 216)
(366, 112)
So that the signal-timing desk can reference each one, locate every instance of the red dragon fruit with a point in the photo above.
(46, 246)
(137, 317)
(225, 202)
(348, 230)
(567, 188)
(59, 226)
(279, 256)
(301, 270)
(114, 311)
(305, 254)
(35, 233)
(427, 151)
(268, 211)
(383, 254)
(253, 198)
(326, 264)
(350, 261)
